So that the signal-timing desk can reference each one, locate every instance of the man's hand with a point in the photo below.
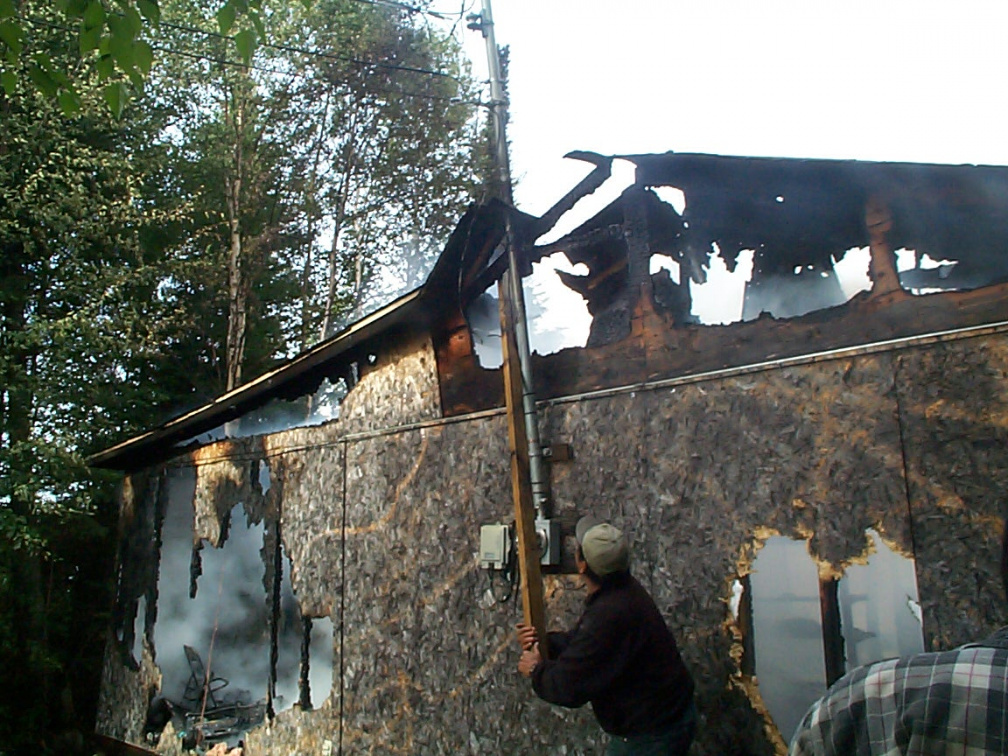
(527, 636)
(529, 660)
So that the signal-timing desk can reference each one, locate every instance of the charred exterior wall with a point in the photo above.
(380, 525)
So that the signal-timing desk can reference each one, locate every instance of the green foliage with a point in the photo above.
(78, 365)
(110, 38)
(253, 190)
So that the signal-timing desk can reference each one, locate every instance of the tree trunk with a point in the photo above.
(237, 290)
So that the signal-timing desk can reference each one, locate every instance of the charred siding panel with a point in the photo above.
(695, 474)
(699, 475)
(428, 655)
(306, 471)
(954, 401)
(400, 387)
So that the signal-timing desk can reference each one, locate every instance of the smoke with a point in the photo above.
(281, 414)
(227, 623)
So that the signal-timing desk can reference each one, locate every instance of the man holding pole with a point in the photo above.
(620, 656)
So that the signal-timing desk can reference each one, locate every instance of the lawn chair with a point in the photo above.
(200, 685)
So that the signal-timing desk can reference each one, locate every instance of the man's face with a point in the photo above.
(580, 564)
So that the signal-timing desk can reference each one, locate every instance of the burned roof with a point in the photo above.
(803, 212)
(790, 212)
(476, 235)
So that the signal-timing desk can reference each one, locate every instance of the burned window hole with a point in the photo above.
(139, 623)
(557, 316)
(304, 652)
(264, 476)
(280, 414)
(800, 632)
(664, 262)
(673, 196)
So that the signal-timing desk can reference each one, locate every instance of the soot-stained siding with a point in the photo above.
(954, 412)
(382, 531)
(377, 514)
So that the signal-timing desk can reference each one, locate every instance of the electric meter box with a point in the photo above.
(548, 534)
(495, 546)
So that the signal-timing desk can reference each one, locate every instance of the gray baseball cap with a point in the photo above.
(603, 546)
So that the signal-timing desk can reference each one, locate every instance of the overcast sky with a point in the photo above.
(883, 80)
(887, 80)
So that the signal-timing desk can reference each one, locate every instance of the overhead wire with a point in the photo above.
(256, 67)
(316, 53)
(414, 9)
(293, 74)
(304, 51)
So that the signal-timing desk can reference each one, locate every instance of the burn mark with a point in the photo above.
(802, 624)
(304, 678)
(195, 568)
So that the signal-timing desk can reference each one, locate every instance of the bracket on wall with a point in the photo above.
(558, 452)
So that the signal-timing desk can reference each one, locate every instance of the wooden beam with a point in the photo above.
(833, 641)
(882, 262)
(521, 486)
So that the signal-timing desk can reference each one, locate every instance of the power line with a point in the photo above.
(318, 53)
(293, 74)
(241, 64)
(414, 9)
(287, 48)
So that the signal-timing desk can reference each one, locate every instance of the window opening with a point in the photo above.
(264, 477)
(289, 634)
(787, 631)
(223, 629)
(790, 294)
(483, 316)
(719, 300)
(879, 606)
(801, 633)
(138, 628)
(558, 317)
(320, 655)
(664, 262)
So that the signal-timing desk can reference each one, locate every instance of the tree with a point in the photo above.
(344, 149)
(240, 207)
(110, 38)
(76, 349)
(391, 158)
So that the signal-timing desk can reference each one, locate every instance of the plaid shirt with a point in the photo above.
(938, 704)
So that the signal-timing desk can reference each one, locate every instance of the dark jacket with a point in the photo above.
(622, 658)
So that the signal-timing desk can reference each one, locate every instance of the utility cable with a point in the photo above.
(253, 67)
(316, 53)
(413, 9)
(274, 46)
(292, 74)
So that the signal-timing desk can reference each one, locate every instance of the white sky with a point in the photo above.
(883, 80)
(887, 80)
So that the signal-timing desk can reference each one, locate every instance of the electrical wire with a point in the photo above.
(276, 46)
(414, 9)
(510, 571)
(317, 53)
(293, 74)
(254, 67)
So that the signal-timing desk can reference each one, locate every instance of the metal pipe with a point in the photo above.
(498, 109)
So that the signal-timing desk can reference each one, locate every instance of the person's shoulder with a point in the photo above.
(997, 639)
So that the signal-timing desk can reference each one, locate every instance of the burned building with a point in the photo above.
(812, 477)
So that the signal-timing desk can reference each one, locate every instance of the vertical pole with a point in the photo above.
(528, 479)
(833, 640)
